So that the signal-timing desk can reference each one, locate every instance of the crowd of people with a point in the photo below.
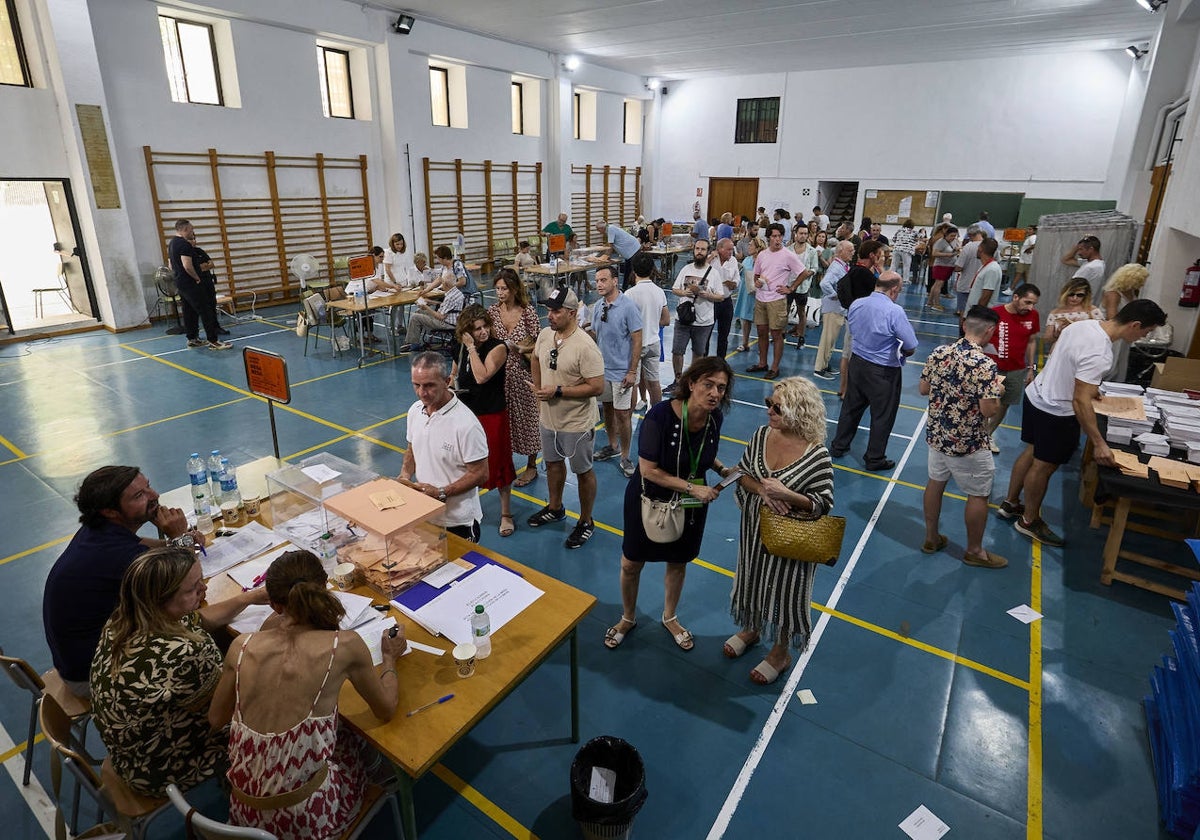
(124, 615)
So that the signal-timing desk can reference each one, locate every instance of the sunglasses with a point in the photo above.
(772, 405)
(554, 359)
(604, 312)
(1076, 294)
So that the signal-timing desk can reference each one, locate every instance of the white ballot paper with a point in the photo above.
(502, 593)
(225, 552)
(320, 473)
(806, 697)
(247, 573)
(921, 824)
(1025, 614)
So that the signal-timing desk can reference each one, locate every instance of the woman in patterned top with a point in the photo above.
(786, 468)
(1074, 304)
(155, 671)
(904, 243)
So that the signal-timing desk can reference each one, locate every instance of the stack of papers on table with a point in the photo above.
(1129, 464)
(222, 553)
(1121, 389)
(1193, 452)
(249, 575)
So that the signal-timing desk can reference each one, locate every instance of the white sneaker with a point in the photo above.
(992, 443)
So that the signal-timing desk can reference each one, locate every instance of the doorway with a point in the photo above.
(837, 200)
(738, 196)
(44, 278)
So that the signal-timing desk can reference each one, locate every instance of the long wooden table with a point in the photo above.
(361, 308)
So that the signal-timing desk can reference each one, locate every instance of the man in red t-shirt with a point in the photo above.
(1016, 354)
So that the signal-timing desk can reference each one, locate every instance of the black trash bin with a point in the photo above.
(607, 820)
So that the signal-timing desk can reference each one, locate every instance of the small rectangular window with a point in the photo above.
(14, 69)
(518, 108)
(631, 124)
(191, 57)
(337, 98)
(439, 95)
(757, 120)
(577, 115)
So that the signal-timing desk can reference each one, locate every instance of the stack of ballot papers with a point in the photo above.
(1153, 444)
(360, 617)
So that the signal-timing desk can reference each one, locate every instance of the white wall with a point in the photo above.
(1044, 125)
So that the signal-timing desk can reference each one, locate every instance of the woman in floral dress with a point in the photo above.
(515, 322)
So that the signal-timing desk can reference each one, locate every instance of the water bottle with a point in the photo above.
(229, 485)
(214, 474)
(198, 476)
(481, 631)
(327, 551)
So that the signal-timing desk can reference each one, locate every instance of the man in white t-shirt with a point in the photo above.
(821, 219)
(1084, 259)
(965, 268)
(1058, 403)
(698, 282)
(447, 452)
(652, 302)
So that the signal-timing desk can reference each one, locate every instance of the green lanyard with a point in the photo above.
(695, 458)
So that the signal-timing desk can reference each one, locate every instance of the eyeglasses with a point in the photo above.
(554, 359)
(772, 405)
(604, 312)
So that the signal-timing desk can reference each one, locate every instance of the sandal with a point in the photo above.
(527, 477)
(934, 547)
(771, 374)
(756, 368)
(764, 672)
(684, 637)
(613, 637)
(512, 526)
(735, 645)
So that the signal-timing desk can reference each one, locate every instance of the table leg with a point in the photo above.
(1116, 533)
(408, 809)
(574, 686)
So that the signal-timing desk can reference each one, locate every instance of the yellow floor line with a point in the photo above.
(20, 748)
(1033, 814)
(35, 549)
(8, 445)
(341, 438)
(490, 809)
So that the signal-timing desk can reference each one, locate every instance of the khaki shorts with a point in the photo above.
(972, 473)
(648, 370)
(1014, 387)
(773, 314)
(1020, 270)
(620, 396)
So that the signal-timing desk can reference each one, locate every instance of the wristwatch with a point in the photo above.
(441, 494)
(558, 391)
(184, 540)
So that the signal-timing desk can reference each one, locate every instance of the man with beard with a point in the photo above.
(83, 586)
(698, 283)
(1016, 353)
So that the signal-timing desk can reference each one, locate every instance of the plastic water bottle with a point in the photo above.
(229, 485)
(481, 631)
(198, 476)
(214, 474)
(326, 550)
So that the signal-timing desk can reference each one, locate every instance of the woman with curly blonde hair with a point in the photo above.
(786, 468)
(1122, 287)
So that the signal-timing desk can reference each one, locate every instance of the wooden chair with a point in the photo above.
(374, 798)
(132, 811)
(78, 709)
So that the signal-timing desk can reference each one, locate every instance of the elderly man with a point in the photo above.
(447, 450)
(1058, 404)
(197, 297)
(568, 375)
(964, 390)
(883, 337)
(443, 316)
(774, 269)
(731, 277)
(83, 586)
(558, 226)
(617, 328)
(725, 227)
(833, 314)
(1084, 260)
(698, 284)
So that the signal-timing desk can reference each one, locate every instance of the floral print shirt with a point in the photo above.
(959, 376)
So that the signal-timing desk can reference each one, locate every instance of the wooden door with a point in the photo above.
(738, 196)
(1158, 188)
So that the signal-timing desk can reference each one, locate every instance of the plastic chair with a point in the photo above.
(374, 799)
(132, 811)
(78, 709)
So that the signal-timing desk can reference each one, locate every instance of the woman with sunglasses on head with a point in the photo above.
(1074, 304)
(480, 372)
(677, 446)
(786, 468)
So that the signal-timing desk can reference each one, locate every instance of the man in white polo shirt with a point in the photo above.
(447, 449)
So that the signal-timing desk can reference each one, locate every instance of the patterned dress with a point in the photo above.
(274, 763)
(522, 404)
(152, 713)
(774, 594)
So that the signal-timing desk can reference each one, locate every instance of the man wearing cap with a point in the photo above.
(568, 375)
(1084, 258)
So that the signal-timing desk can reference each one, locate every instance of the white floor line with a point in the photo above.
(827, 419)
(35, 795)
(764, 738)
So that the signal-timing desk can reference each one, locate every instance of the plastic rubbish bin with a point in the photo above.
(607, 820)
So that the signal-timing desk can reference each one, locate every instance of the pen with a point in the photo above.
(429, 705)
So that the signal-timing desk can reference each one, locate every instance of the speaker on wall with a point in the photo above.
(665, 90)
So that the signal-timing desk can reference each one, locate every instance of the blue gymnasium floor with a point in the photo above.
(928, 693)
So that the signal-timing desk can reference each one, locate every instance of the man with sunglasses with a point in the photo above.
(617, 328)
(568, 375)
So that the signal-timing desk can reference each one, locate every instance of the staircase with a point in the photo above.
(841, 209)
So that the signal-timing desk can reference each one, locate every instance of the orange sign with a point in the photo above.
(1014, 234)
(666, 229)
(266, 375)
(361, 267)
(558, 242)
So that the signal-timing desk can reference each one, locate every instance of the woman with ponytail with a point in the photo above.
(293, 771)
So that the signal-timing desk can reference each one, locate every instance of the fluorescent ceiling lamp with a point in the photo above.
(1135, 53)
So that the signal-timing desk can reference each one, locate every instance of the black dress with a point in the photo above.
(661, 439)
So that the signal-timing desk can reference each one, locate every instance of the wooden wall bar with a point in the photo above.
(612, 193)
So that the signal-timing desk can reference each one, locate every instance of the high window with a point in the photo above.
(439, 94)
(575, 113)
(757, 120)
(337, 94)
(191, 54)
(14, 69)
(518, 108)
(631, 129)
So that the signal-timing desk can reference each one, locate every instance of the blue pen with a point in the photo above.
(429, 705)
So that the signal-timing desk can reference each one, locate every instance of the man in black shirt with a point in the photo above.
(198, 298)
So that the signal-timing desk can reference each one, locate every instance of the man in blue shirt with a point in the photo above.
(985, 225)
(725, 228)
(623, 243)
(882, 338)
(700, 228)
(617, 328)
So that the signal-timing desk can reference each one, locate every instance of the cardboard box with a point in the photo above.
(1176, 373)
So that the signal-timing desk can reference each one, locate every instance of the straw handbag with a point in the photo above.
(803, 537)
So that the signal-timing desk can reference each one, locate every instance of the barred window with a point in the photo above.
(757, 120)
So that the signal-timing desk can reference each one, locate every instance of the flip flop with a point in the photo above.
(527, 477)
(771, 374)
(735, 646)
(756, 368)
(684, 637)
(512, 526)
(764, 673)
(613, 637)
(933, 548)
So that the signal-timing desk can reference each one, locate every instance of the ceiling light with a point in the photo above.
(1152, 5)
(571, 62)
(404, 24)
(651, 83)
(1135, 53)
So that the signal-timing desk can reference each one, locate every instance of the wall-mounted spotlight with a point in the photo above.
(1152, 5)
(571, 63)
(651, 83)
(404, 24)
(1135, 53)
